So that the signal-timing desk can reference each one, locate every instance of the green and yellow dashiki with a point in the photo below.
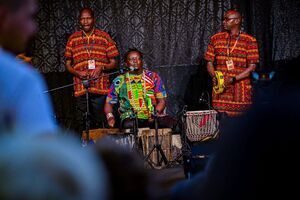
(136, 94)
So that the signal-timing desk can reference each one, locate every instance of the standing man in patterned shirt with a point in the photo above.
(139, 92)
(89, 53)
(235, 54)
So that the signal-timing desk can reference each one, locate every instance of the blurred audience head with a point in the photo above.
(128, 177)
(49, 168)
(16, 24)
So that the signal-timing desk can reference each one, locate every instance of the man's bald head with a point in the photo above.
(232, 20)
(87, 9)
(234, 13)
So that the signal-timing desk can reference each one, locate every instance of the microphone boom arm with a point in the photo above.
(84, 82)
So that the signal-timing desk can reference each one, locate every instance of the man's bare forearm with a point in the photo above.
(112, 64)
(246, 73)
(210, 68)
(160, 105)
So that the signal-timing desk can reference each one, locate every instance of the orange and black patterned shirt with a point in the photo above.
(245, 52)
(99, 47)
(238, 97)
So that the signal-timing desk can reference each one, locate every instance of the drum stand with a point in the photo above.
(157, 146)
(185, 149)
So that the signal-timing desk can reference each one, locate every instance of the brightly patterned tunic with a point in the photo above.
(98, 47)
(236, 98)
(136, 94)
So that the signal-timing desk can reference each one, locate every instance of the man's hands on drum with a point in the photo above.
(110, 120)
(160, 110)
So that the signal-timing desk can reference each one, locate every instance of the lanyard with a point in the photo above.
(228, 44)
(90, 47)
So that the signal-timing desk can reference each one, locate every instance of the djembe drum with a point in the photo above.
(201, 125)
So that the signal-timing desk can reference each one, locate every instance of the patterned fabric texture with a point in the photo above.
(237, 97)
(136, 94)
(98, 47)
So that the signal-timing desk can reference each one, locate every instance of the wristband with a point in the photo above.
(109, 115)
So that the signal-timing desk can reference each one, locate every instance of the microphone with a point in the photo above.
(86, 83)
(202, 99)
(132, 68)
(122, 70)
(127, 69)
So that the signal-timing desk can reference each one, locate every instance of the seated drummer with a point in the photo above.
(139, 93)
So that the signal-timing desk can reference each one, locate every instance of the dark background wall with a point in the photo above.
(173, 34)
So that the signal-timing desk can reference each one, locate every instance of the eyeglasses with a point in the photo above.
(227, 19)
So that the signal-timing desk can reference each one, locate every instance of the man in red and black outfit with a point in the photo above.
(89, 53)
(235, 54)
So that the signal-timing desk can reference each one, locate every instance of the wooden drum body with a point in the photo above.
(164, 139)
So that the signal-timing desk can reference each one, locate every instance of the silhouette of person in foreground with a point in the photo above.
(34, 168)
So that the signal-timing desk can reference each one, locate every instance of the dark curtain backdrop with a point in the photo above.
(173, 34)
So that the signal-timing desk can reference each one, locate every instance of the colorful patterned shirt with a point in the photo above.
(98, 47)
(237, 97)
(136, 93)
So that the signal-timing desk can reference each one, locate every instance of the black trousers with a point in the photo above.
(96, 119)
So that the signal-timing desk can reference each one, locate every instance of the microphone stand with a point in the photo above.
(186, 150)
(157, 146)
(73, 84)
(135, 130)
(86, 84)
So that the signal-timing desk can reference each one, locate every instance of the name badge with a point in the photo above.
(230, 64)
(91, 64)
